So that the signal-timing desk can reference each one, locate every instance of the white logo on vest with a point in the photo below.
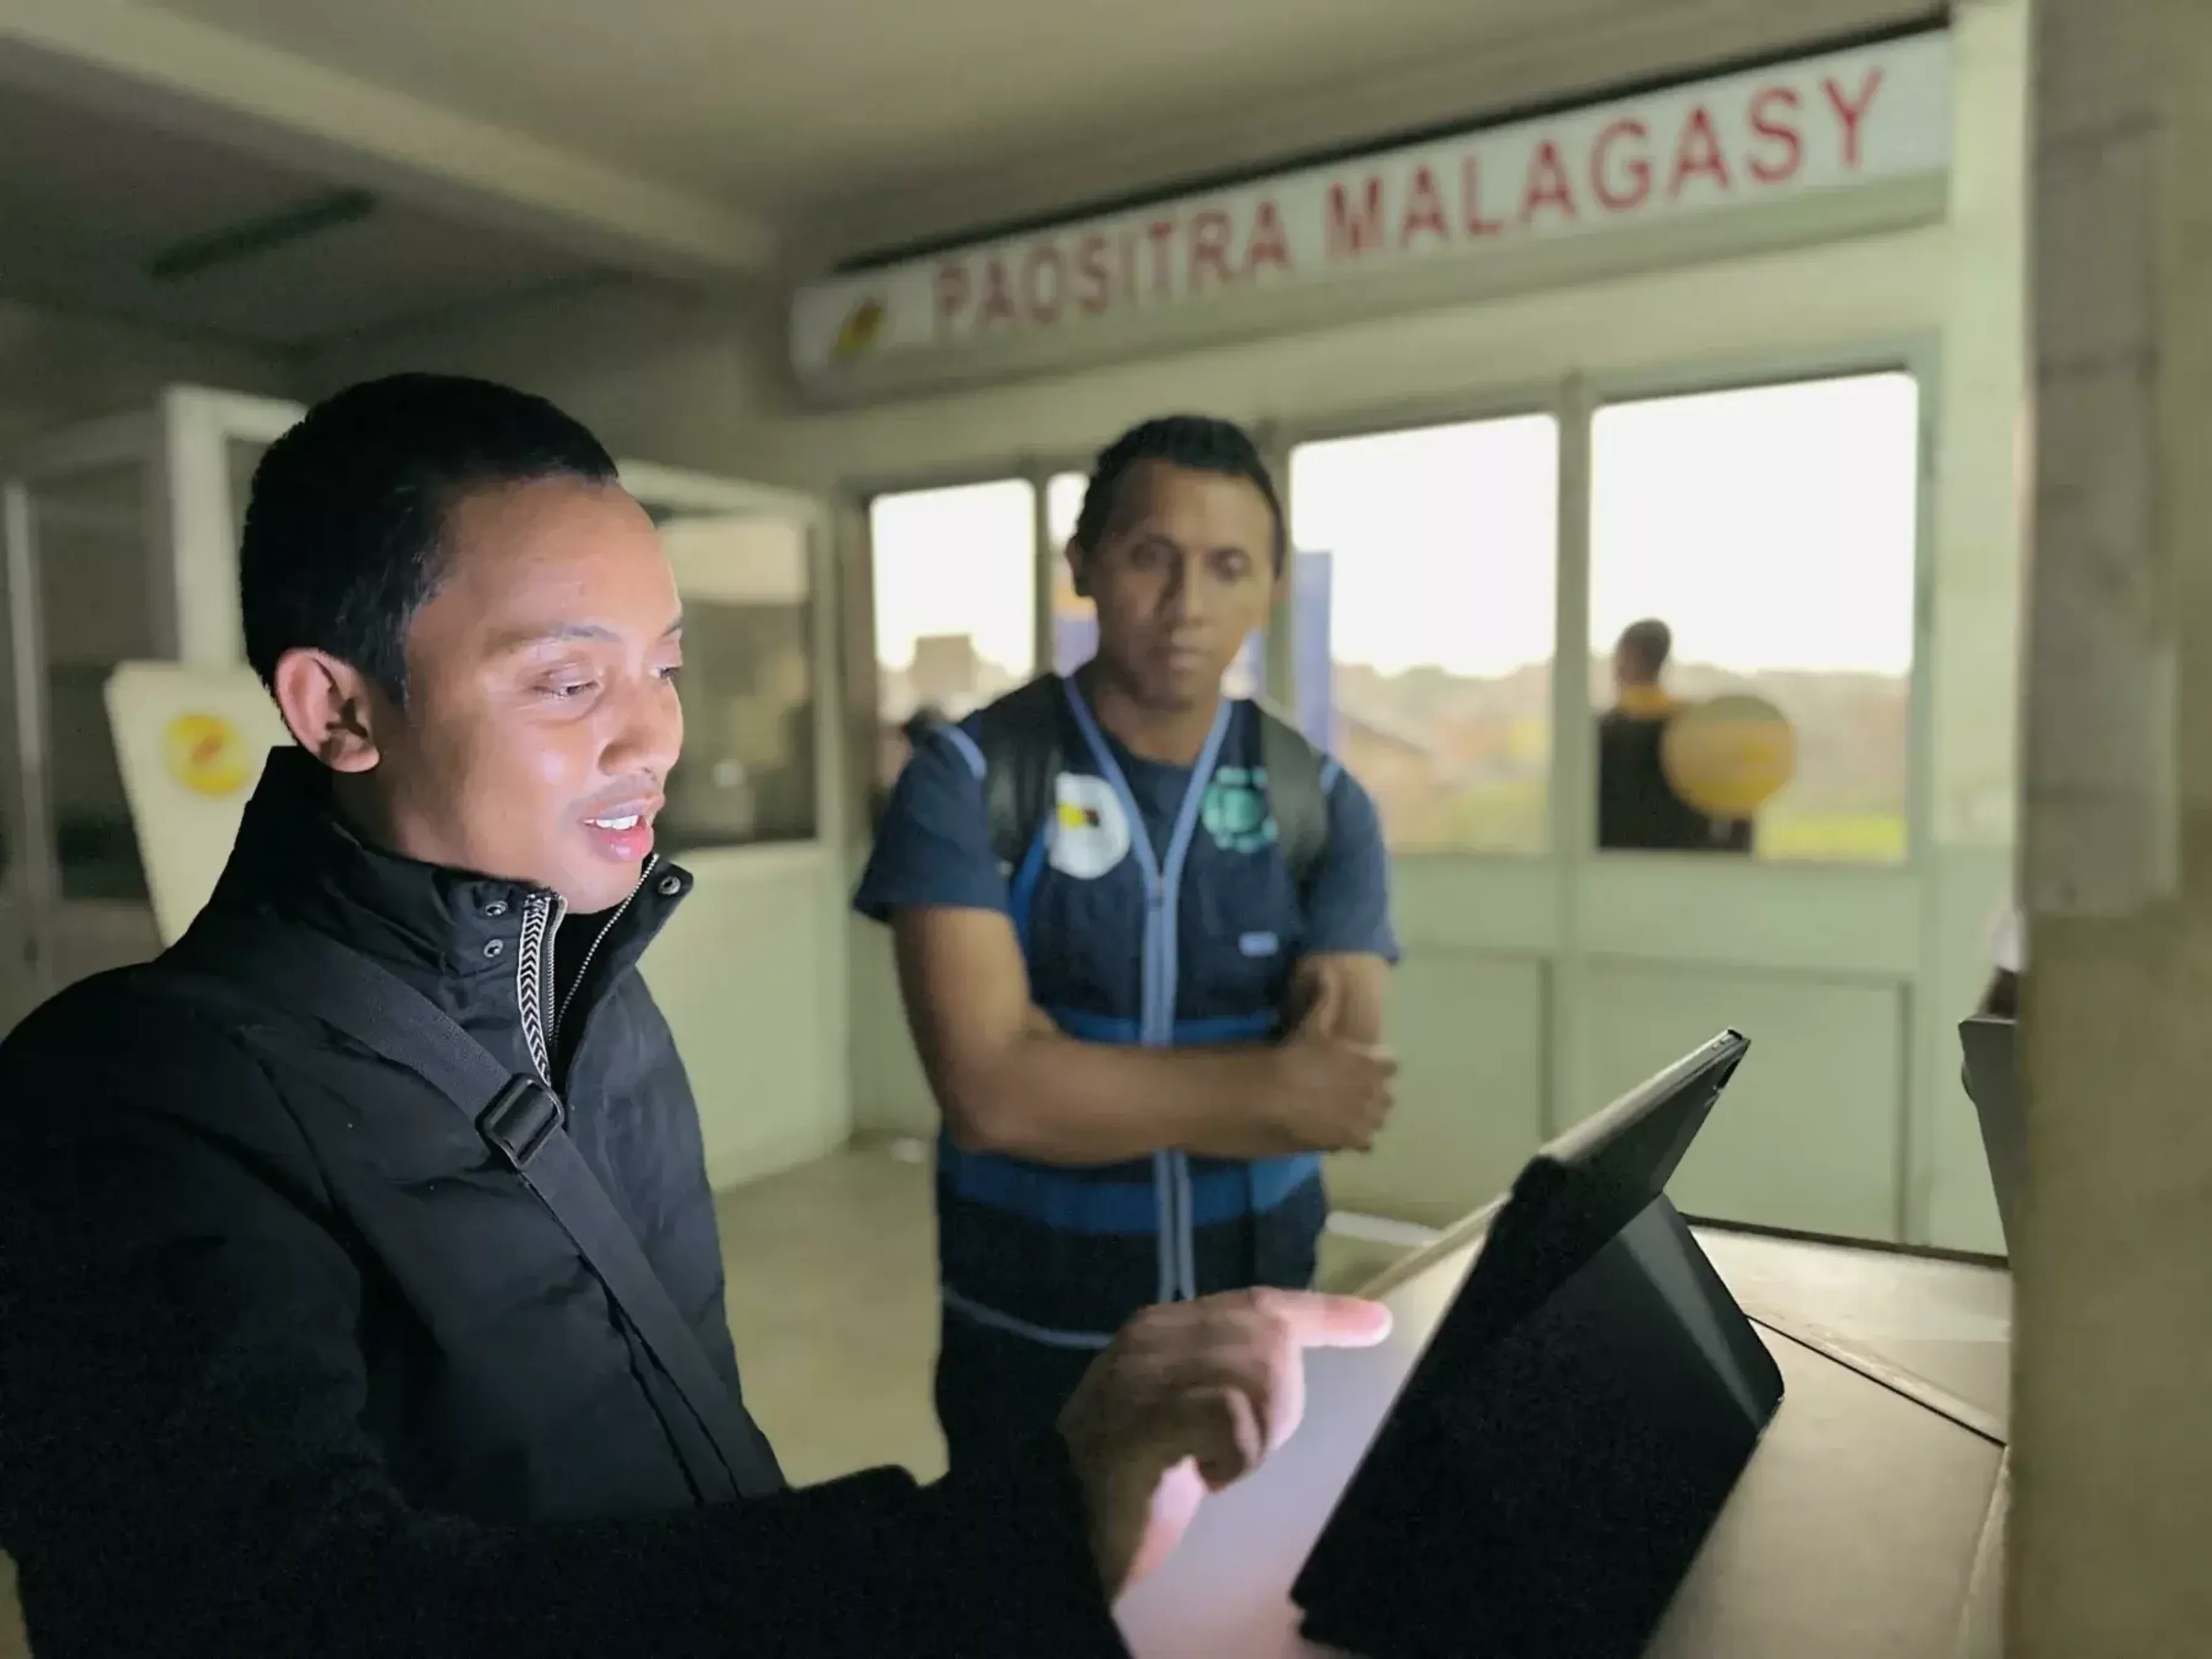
(1090, 832)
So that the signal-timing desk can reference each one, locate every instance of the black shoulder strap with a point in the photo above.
(1296, 776)
(1019, 737)
(310, 974)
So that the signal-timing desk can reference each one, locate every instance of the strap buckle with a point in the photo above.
(523, 1116)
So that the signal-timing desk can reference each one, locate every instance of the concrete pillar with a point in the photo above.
(2112, 1415)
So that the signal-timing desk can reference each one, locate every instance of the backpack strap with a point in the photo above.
(1020, 737)
(1299, 777)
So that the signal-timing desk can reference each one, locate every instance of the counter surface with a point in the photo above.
(1855, 1530)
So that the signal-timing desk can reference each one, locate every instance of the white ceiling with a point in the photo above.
(518, 144)
(872, 122)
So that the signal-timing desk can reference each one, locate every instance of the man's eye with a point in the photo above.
(568, 689)
(670, 672)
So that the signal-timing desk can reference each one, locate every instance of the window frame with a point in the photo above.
(1572, 397)
(657, 487)
(1919, 357)
(1556, 401)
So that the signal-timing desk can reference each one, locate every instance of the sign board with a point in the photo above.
(1845, 119)
(191, 743)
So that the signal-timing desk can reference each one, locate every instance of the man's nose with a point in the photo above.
(1186, 599)
(649, 738)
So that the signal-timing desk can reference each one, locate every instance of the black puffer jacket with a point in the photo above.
(289, 1365)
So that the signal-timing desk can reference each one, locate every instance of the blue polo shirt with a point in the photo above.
(1154, 906)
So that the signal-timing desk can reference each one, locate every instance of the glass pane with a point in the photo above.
(1075, 620)
(1437, 549)
(955, 604)
(93, 597)
(1771, 532)
(748, 772)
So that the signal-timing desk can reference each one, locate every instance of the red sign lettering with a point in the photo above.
(1209, 249)
(1851, 113)
(1269, 245)
(1470, 189)
(1547, 184)
(1637, 169)
(952, 291)
(1765, 133)
(1774, 118)
(1425, 210)
(1091, 295)
(1161, 234)
(1349, 234)
(998, 292)
(1044, 298)
(1699, 153)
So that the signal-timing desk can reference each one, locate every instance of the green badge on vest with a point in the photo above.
(1235, 810)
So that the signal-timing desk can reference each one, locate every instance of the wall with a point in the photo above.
(1901, 1117)
(660, 373)
(56, 369)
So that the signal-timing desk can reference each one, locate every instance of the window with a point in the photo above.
(1075, 621)
(1772, 531)
(1431, 554)
(95, 611)
(748, 771)
(955, 604)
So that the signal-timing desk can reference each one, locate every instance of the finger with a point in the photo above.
(1314, 1319)
(1220, 1429)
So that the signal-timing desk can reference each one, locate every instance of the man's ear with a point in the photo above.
(333, 708)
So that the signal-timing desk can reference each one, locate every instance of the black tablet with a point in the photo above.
(1992, 1048)
(1562, 1447)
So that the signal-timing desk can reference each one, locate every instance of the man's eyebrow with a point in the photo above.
(561, 633)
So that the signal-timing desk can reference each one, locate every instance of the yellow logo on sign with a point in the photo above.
(1729, 757)
(206, 754)
(860, 330)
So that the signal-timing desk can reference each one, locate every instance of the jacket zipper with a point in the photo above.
(535, 985)
(533, 979)
(591, 950)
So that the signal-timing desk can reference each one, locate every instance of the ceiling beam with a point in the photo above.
(158, 67)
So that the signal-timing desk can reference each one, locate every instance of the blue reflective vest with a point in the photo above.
(1188, 941)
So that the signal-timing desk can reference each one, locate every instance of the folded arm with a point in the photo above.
(1008, 1080)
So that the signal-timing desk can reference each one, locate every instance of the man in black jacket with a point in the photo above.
(291, 1362)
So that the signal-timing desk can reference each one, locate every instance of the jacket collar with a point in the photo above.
(475, 945)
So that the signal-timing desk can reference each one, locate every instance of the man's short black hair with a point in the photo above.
(1645, 646)
(344, 528)
(1196, 441)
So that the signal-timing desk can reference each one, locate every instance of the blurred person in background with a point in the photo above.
(1639, 809)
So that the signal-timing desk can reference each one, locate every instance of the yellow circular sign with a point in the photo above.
(1729, 757)
(860, 330)
(206, 754)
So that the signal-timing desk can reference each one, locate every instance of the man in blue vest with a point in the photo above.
(1143, 935)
